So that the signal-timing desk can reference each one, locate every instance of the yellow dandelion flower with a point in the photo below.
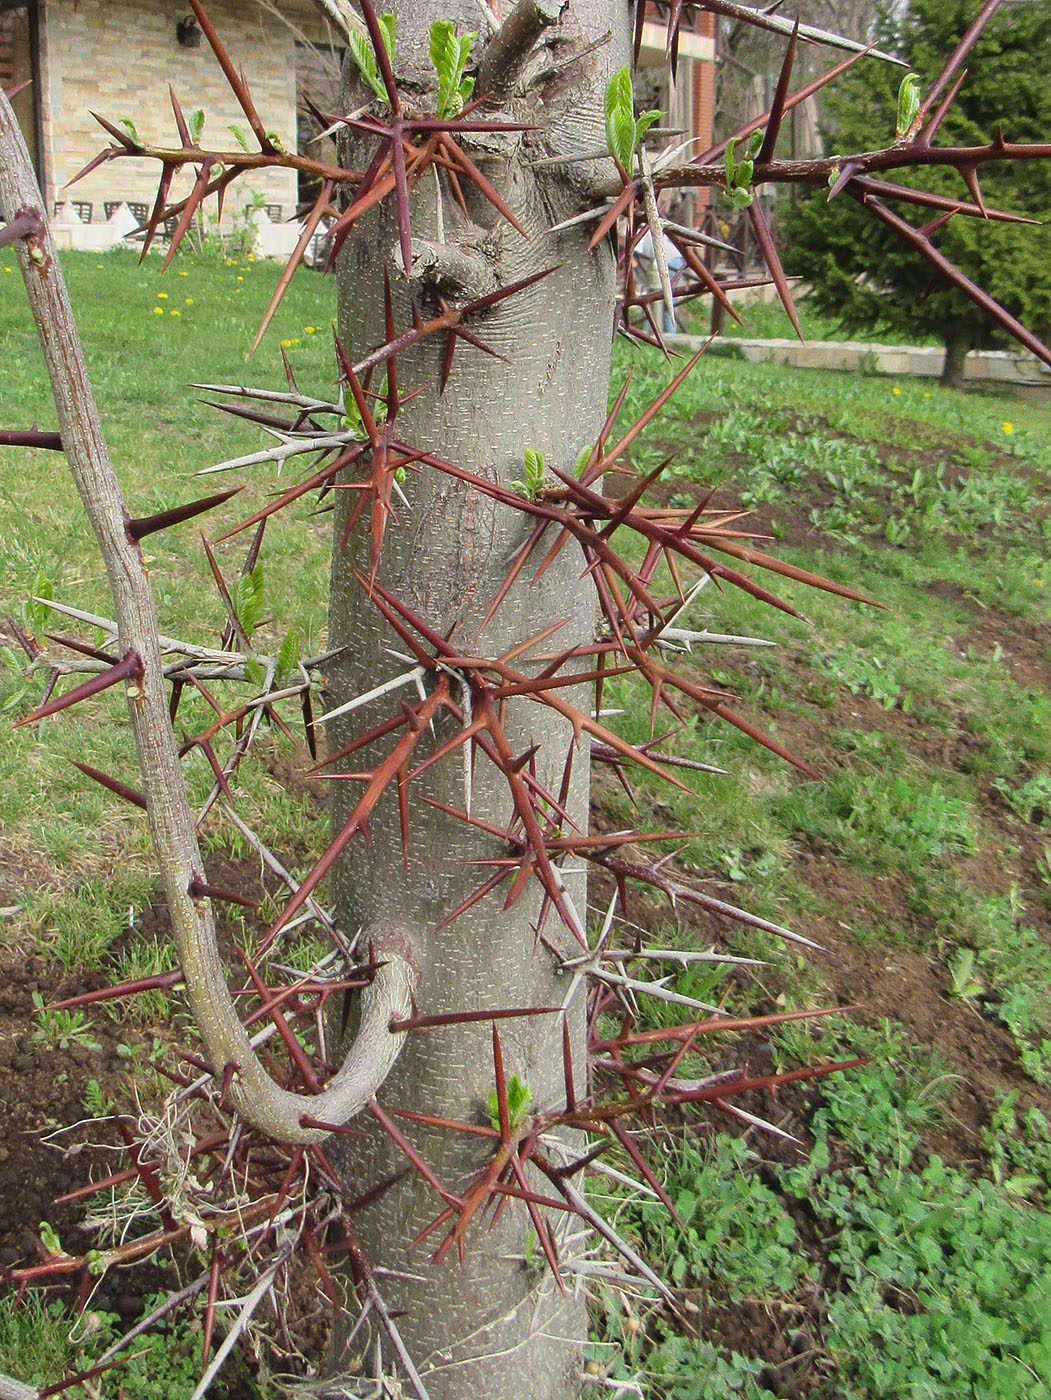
(251, 257)
(184, 274)
(229, 262)
(1008, 428)
(189, 301)
(308, 330)
(240, 278)
(162, 296)
(174, 312)
(158, 310)
(99, 267)
(926, 394)
(7, 270)
(896, 392)
(285, 344)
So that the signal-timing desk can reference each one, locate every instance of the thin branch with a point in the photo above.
(263, 1103)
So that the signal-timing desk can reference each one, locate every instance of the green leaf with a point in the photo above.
(1022, 1184)
(246, 595)
(728, 161)
(254, 673)
(519, 1102)
(365, 59)
(534, 477)
(534, 464)
(239, 137)
(443, 51)
(288, 656)
(49, 1239)
(645, 121)
(387, 25)
(128, 126)
(739, 175)
(38, 616)
(449, 55)
(196, 125)
(908, 104)
(620, 118)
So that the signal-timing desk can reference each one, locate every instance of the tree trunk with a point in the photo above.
(957, 347)
(494, 1326)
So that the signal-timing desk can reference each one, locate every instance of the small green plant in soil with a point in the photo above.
(62, 1029)
(939, 1272)
(1031, 800)
(43, 1343)
(941, 1282)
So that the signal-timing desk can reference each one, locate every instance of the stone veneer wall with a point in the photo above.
(117, 57)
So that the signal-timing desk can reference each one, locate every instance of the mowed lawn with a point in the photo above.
(903, 1246)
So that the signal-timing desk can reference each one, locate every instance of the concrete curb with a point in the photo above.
(922, 362)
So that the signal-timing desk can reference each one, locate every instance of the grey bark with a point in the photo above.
(493, 1328)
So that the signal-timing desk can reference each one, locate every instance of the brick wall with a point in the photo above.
(703, 106)
(117, 57)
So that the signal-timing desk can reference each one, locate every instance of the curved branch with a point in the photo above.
(283, 1115)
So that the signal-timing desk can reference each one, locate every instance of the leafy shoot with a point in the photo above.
(908, 105)
(623, 131)
(363, 56)
(519, 1102)
(739, 173)
(449, 54)
(534, 477)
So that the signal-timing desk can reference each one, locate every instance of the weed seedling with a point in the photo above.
(62, 1028)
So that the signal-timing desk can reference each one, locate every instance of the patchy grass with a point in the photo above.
(160, 433)
(920, 860)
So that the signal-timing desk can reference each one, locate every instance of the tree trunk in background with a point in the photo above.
(957, 348)
(495, 1327)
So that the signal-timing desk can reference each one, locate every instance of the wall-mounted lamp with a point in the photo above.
(187, 33)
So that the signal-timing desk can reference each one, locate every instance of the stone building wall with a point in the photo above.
(117, 57)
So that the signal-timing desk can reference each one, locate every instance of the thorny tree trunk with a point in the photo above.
(493, 1327)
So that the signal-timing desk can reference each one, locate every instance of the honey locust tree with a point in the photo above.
(484, 588)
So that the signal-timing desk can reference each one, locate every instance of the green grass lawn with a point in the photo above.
(768, 320)
(901, 1250)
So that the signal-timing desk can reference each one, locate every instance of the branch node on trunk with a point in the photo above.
(506, 52)
(457, 272)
